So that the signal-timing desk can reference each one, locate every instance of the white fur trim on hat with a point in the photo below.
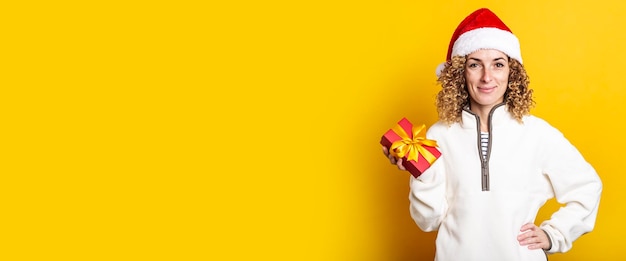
(487, 38)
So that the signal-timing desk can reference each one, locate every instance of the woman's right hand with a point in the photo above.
(392, 159)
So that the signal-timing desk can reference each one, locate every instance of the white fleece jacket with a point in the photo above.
(478, 207)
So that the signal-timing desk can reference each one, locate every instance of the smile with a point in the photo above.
(486, 89)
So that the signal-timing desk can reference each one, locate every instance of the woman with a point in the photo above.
(499, 164)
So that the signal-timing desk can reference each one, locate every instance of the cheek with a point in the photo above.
(504, 77)
(470, 79)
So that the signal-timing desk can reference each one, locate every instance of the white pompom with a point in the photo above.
(440, 69)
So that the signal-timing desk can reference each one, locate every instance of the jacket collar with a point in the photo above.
(499, 115)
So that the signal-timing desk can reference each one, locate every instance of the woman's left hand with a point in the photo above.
(533, 237)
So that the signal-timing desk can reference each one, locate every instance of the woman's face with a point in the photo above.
(486, 77)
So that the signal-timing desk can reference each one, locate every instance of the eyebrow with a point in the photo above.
(499, 58)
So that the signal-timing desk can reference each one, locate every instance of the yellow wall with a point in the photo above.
(249, 130)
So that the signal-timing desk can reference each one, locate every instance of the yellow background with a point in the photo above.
(201, 130)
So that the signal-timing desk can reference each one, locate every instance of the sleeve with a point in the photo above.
(427, 197)
(576, 185)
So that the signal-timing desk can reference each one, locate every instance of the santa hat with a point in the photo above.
(482, 29)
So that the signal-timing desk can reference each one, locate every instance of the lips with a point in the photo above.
(486, 89)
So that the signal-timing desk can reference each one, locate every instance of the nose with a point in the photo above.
(486, 75)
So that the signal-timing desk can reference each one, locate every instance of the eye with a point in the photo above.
(499, 65)
(473, 65)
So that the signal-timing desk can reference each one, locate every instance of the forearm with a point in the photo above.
(575, 219)
(428, 203)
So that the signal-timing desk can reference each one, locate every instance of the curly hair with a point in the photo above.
(453, 96)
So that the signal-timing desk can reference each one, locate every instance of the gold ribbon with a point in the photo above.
(412, 146)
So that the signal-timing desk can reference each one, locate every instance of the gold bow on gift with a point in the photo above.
(412, 146)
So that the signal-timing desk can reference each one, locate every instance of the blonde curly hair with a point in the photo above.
(453, 96)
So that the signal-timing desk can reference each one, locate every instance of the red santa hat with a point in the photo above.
(482, 29)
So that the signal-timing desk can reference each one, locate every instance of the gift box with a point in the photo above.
(409, 143)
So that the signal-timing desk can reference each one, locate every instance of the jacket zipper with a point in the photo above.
(484, 163)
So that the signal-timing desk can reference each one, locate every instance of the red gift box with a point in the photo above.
(404, 141)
